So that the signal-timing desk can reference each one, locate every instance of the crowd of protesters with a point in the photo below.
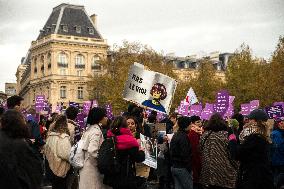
(243, 152)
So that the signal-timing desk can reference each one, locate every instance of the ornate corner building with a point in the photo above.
(63, 58)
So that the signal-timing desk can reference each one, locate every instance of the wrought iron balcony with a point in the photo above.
(80, 66)
(63, 65)
(96, 67)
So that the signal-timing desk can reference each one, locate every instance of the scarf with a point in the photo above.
(249, 129)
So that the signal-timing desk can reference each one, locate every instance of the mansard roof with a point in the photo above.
(67, 19)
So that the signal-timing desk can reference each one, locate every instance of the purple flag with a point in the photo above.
(39, 103)
(222, 102)
(245, 109)
(254, 104)
(183, 109)
(195, 109)
(207, 111)
(86, 107)
(274, 111)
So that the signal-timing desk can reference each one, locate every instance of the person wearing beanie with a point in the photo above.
(194, 134)
(180, 152)
(253, 153)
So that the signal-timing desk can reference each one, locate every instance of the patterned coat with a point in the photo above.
(216, 167)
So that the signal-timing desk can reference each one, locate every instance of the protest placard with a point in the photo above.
(195, 109)
(274, 111)
(191, 97)
(222, 102)
(39, 103)
(148, 88)
(151, 150)
(207, 111)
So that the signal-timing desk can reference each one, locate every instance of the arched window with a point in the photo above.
(62, 60)
(96, 66)
(79, 61)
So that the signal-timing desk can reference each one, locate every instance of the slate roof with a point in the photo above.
(70, 17)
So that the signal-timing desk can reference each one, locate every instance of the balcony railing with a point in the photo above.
(80, 66)
(63, 65)
(96, 67)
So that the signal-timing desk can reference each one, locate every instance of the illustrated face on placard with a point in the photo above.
(158, 92)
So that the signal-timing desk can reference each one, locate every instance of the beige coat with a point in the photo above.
(57, 151)
(90, 178)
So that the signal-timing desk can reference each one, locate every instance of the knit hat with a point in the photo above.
(258, 115)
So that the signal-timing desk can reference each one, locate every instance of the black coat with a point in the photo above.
(180, 151)
(255, 170)
(20, 167)
(126, 179)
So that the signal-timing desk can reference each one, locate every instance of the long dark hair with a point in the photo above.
(117, 123)
(14, 125)
(139, 127)
(216, 123)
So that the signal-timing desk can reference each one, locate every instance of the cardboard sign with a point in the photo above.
(254, 104)
(195, 110)
(274, 111)
(151, 89)
(207, 111)
(109, 111)
(151, 151)
(80, 120)
(222, 102)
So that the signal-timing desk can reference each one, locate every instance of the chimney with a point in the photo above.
(94, 19)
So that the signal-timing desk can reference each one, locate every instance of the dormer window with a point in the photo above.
(64, 27)
(78, 29)
(91, 31)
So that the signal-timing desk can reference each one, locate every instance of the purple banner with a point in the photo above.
(183, 109)
(195, 109)
(222, 102)
(109, 111)
(39, 103)
(245, 109)
(74, 104)
(207, 111)
(86, 107)
(274, 111)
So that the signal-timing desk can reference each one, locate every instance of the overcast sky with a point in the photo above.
(184, 27)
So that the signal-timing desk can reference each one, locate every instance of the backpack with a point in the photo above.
(77, 155)
(107, 161)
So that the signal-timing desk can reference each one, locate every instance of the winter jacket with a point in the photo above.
(253, 154)
(20, 167)
(57, 151)
(35, 132)
(277, 148)
(128, 153)
(90, 178)
(196, 159)
(217, 167)
(180, 150)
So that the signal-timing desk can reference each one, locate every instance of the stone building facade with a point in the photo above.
(63, 58)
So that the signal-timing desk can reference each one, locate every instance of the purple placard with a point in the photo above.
(245, 109)
(207, 111)
(274, 111)
(74, 104)
(195, 109)
(183, 108)
(86, 107)
(254, 104)
(80, 120)
(279, 103)
(39, 103)
(109, 111)
(230, 112)
(222, 102)
(160, 116)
